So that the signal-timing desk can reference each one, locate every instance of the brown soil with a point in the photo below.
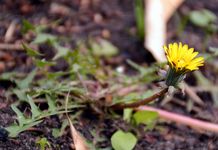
(117, 18)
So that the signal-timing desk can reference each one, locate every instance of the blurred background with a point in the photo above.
(116, 46)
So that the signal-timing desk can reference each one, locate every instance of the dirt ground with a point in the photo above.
(117, 19)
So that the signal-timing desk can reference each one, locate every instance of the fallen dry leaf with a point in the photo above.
(155, 29)
(78, 140)
(157, 13)
(169, 7)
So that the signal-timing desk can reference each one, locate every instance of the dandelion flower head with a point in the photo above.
(183, 59)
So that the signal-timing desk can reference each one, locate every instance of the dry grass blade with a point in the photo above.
(193, 95)
(14, 47)
(78, 140)
(10, 32)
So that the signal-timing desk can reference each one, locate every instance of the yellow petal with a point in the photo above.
(181, 57)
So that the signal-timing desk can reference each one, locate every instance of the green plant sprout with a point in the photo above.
(206, 20)
(43, 86)
(181, 60)
(139, 15)
(43, 143)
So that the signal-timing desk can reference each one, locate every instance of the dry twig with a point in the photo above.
(14, 47)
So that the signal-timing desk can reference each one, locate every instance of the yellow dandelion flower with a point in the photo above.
(182, 58)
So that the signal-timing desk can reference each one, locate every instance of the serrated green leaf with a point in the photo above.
(20, 117)
(42, 63)
(34, 109)
(66, 88)
(123, 140)
(23, 84)
(76, 67)
(61, 51)
(131, 97)
(51, 104)
(26, 26)
(31, 52)
(103, 48)
(202, 18)
(59, 132)
(55, 132)
(143, 71)
(87, 62)
(20, 94)
(40, 28)
(8, 75)
(146, 74)
(54, 75)
(43, 38)
(14, 130)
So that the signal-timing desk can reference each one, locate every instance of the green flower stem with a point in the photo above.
(139, 103)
